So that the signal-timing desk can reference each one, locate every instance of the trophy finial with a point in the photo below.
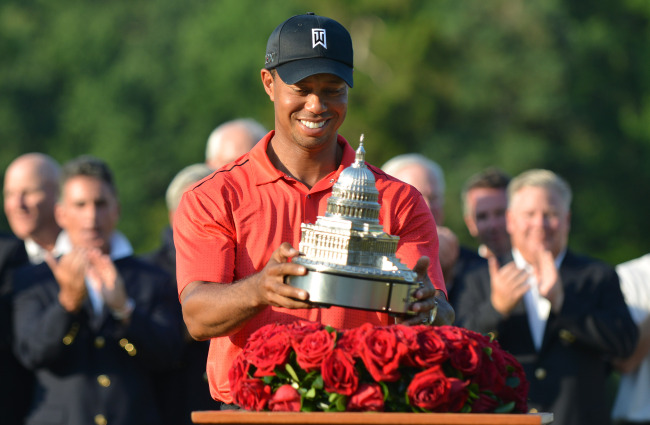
(360, 157)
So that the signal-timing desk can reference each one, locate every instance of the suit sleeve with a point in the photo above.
(473, 307)
(594, 312)
(40, 322)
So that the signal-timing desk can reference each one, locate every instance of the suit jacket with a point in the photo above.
(16, 382)
(184, 388)
(468, 260)
(568, 375)
(91, 368)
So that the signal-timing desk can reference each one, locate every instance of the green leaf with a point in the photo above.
(292, 372)
(311, 393)
(512, 381)
(318, 383)
(268, 379)
(505, 408)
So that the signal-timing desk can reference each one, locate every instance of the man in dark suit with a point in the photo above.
(184, 388)
(561, 314)
(16, 382)
(96, 322)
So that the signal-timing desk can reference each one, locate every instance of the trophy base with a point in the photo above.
(343, 290)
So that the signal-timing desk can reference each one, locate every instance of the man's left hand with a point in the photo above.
(429, 299)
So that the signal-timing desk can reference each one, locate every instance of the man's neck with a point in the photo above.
(47, 238)
(308, 166)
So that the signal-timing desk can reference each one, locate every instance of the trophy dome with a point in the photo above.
(354, 195)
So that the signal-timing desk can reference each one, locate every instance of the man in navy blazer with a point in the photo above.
(94, 323)
(560, 314)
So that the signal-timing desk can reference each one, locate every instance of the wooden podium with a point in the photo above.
(242, 417)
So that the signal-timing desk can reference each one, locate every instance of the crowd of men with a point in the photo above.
(92, 333)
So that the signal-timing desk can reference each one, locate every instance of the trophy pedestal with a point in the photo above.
(327, 288)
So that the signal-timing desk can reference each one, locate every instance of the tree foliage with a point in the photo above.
(516, 84)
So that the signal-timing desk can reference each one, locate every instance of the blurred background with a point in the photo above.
(563, 85)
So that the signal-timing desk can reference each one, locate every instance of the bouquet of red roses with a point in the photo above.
(305, 366)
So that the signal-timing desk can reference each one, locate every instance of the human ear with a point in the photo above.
(267, 81)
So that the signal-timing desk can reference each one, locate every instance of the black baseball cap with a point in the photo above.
(309, 44)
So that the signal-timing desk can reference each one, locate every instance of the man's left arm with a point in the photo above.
(594, 312)
(414, 224)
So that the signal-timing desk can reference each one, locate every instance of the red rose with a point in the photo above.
(429, 390)
(313, 348)
(262, 335)
(464, 352)
(285, 399)
(368, 398)
(458, 395)
(238, 370)
(251, 394)
(298, 330)
(270, 354)
(431, 349)
(339, 374)
(382, 352)
(350, 340)
(485, 403)
(492, 375)
(518, 392)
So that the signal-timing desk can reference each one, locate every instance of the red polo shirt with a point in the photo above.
(227, 226)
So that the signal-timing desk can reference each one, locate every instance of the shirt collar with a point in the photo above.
(521, 263)
(264, 172)
(120, 245)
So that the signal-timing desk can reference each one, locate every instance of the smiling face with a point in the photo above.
(30, 192)
(88, 211)
(536, 218)
(310, 112)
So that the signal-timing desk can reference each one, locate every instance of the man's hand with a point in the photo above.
(106, 280)
(428, 299)
(269, 285)
(69, 272)
(508, 285)
(549, 283)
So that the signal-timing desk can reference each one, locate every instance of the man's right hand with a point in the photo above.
(218, 309)
(508, 285)
(269, 283)
(69, 272)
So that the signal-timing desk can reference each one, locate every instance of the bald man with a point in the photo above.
(31, 189)
(231, 140)
(427, 177)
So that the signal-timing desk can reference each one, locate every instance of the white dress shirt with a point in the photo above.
(537, 307)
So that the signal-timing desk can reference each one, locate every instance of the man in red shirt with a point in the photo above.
(236, 231)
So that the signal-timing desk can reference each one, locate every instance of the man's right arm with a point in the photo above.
(219, 309)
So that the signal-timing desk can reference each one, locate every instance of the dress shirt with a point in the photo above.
(537, 307)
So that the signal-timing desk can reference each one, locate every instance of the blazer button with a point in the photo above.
(567, 336)
(540, 373)
(100, 419)
(104, 381)
(99, 342)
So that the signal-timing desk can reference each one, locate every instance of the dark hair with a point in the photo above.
(87, 165)
(490, 178)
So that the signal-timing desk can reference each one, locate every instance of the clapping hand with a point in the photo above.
(69, 272)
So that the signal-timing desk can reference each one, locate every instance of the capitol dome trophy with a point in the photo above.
(350, 260)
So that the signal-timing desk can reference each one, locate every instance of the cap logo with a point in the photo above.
(318, 37)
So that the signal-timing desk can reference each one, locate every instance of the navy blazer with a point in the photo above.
(568, 376)
(91, 368)
(16, 381)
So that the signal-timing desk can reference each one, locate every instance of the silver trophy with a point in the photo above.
(350, 260)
